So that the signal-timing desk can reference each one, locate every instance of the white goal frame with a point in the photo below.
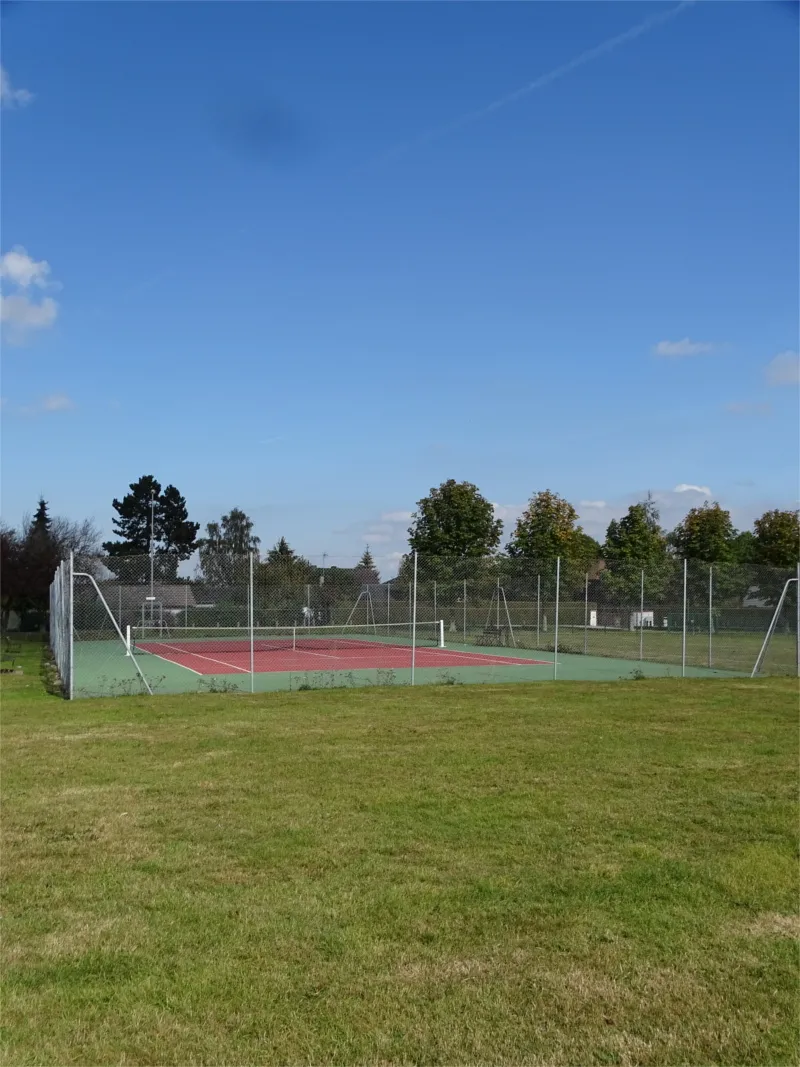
(773, 623)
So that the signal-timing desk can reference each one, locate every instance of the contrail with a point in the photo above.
(559, 72)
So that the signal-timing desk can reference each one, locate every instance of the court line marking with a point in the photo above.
(173, 662)
(197, 655)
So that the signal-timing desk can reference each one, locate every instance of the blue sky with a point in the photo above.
(253, 250)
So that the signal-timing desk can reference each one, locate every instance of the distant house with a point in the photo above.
(129, 602)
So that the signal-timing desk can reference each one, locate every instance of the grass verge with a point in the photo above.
(547, 874)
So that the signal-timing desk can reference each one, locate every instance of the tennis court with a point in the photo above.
(284, 658)
(297, 649)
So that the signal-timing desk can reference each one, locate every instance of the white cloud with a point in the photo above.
(508, 512)
(593, 504)
(746, 407)
(9, 96)
(21, 314)
(374, 538)
(396, 516)
(685, 487)
(784, 369)
(686, 347)
(23, 270)
(57, 402)
(46, 405)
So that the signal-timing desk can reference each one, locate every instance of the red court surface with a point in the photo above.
(386, 657)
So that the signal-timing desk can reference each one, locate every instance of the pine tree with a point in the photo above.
(366, 571)
(173, 535)
(41, 522)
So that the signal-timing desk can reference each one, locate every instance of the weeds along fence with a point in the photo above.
(135, 624)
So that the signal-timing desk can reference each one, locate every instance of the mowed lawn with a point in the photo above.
(557, 873)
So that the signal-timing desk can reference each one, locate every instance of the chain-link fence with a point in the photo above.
(127, 625)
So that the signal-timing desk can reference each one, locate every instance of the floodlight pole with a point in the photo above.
(152, 539)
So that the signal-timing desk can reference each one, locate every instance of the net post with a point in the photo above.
(641, 620)
(710, 614)
(414, 620)
(71, 683)
(250, 618)
(586, 616)
(128, 645)
(441, 633)
(555, 636)
(685, 603)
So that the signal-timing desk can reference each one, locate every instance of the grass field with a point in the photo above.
(545, 874)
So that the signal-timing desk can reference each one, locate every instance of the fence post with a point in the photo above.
(641, 621)
(388, 602)
(555, 637)
(465, 611)
(683, 639)
(435, 616)
(710, 613)
(538, 606)
(586, 616)
(186, 612)
(414, 622)
(71, 684)
(250, 618)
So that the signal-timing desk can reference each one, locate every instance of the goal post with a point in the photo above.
(781, 612)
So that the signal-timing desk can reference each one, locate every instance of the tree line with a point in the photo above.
(29, 557)
(455, 521)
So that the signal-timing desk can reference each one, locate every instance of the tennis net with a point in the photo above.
(201, 640)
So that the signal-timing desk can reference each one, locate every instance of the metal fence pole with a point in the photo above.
(388, 601)
(250, 618)
(710, 614)
(685, 601)
(186, 612)
(538, 606)
(435, 616)
(414, 622)
(641, 622)
(555, 636)
(586, 616)
(71, 684)
(465, 611)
